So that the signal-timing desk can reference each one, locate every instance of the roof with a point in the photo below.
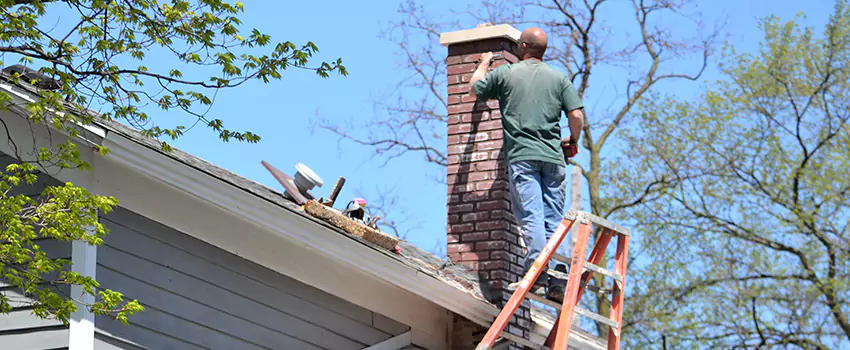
(459, 276)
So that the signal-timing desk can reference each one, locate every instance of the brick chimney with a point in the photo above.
(482, 231)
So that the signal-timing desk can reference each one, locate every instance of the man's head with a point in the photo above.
(532, 43)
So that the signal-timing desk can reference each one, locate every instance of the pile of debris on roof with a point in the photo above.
(353, 219)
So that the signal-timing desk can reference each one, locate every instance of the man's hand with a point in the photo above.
(570, 149)
(480, 72)
(486, 57)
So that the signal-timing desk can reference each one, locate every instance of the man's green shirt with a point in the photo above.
(531, 97)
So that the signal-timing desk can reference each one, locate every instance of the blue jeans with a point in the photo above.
(538, 194)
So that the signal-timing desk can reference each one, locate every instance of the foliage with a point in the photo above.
(96, 62)
(751, 245)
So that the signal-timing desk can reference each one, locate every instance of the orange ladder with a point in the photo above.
(580, 273)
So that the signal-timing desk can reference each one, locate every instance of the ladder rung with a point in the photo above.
(543, 300)
(520, 340)
(590, 288)
(588, 266)
(578, 310)
(599, 318)
(573, 215)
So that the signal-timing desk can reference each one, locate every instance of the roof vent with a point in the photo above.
(28, 74)
(306, 179)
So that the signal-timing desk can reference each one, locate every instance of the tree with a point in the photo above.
(581, 43)
(750, 247)
(95, 61)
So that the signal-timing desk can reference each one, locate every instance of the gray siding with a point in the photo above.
(199, 296)
(21, 329)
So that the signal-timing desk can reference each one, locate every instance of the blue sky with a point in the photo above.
(283, 112)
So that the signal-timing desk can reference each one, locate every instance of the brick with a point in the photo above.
(454, 119)
(459, 228)
(492, 225)
(477, 137)
(468, 98)
(463, 108)
(453, 60)
(501, 214)
(459, 247)
(454, 257)
(460, 208)
(461, 188)
(452, 238)
(500, 284)
(454, 139)
(476, 197)
(461, 148)
(471, 58)
(503, 235)
(474, 256)
(496, 114)
(454, 79)
(496, 134)
(515, 249)
(475, 117)
(503, 194)
(484, 166)
(474, 157)
(478, 216)
(454, 199)
(455, 99)
(517, 270)
(496, 155)
(499, 274)
(487, 185)
(509, 56)
(458, 89)
(491, 245)
(493, 104)
(454, 169)
(472, 264)
(478, 176)
(488, 125)
(466, 78)
(490, 145)
(453, 219)
(503, 255)
(475, 236)
(494, 265)
(491, 205)
(459, 129)
(461, 68)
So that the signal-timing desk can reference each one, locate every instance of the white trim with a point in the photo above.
(393, 343)
(81, 329)
(481, 33)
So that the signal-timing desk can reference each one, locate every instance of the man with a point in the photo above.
(531, 97)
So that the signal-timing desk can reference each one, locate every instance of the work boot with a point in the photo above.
(557, 287)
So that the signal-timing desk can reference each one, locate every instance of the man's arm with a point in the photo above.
(576, 119)
(480, 73)
(571, 103)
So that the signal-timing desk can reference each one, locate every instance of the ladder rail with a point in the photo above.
(525, 285)
(581, 271)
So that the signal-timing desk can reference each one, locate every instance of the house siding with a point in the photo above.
(199, 296)
(20, 328)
